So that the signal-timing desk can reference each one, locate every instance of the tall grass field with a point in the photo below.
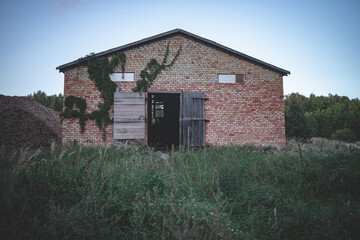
(232, 192)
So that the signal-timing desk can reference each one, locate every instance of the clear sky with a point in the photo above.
(317, 41)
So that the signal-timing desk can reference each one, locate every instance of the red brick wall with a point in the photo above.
(238, 113)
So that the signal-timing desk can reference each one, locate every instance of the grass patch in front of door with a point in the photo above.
(230, 192)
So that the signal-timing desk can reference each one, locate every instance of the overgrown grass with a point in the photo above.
(234, 192)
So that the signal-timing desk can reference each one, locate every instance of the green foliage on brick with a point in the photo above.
(98, 70)
(153, 69)
(70, 112)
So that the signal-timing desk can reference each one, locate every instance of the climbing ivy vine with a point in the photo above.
(69, 111)
(153, 69)
(98, 70)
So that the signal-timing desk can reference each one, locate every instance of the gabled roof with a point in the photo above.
(230, 51)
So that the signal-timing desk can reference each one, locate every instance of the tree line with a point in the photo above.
(52, 101)
(332, 117)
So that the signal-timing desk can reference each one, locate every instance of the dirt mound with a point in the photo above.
(26, 123)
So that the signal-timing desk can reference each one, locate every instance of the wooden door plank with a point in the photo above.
(129, 113)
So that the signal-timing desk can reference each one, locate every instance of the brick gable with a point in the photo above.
(251, 112)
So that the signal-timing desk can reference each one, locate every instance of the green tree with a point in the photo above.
(297, 126)
(53, 101)
(301, 100)
(331, 116)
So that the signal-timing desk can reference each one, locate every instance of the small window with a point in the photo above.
(157, 111)
(239, 78)
(231, 78)
(120, 77)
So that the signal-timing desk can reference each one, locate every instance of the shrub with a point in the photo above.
(345, 135)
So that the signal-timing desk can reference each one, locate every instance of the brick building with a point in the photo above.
(238, 98)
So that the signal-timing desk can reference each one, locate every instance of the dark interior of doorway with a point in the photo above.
(163, 120)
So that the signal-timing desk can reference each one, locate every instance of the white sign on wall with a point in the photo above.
(227, 78)
(120, 77)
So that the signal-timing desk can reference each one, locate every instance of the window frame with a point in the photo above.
(118, 77)
(238, 78)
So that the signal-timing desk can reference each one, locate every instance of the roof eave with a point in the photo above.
(63, 67)
(284, 72)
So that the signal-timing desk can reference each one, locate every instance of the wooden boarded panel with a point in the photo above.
(129, 130)
(192, 120)
(129, 116)
(128, 100)
(128, 111)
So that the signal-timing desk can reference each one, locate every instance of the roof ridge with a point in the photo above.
(61, 68)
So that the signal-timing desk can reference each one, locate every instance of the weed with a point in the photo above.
(229, 192)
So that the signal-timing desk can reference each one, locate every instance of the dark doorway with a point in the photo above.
(163, 120)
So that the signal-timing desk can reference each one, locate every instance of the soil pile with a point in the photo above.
(26, 123)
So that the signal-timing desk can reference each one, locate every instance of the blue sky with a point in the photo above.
(318, 41)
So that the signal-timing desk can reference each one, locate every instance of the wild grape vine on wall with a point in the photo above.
(153, 69)
(99, 70)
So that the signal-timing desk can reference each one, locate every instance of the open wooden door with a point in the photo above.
(192, 120)
(129, 116)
